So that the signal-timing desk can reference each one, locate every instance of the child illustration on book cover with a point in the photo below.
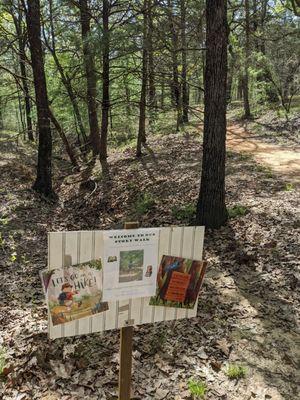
(178, 282)
(74, 292)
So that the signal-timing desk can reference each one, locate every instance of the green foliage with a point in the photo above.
(144, 204)
(185, 213)
(265, 169)
(13, 256)
(197, 388)
(288, 187)
(2, 360)
(2, 240)
(237, 211)
(236, 371)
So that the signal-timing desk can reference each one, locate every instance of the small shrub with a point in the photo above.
(266, 170)
(197, 388)
(288, 187)
(144, 203)
(185, 213)
(235, 371)
(237, 211)
(2, 360)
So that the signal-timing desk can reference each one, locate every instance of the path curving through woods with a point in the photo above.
(283, 160)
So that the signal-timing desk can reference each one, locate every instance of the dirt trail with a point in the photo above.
(281, 159)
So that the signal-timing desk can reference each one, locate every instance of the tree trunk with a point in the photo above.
(22, 61)
(211, 209)
(65, 80)
(230, 75)
(105, 82)
(89, 65)
(64, 139)
(184, 85)
(245, 79)
(175, 86)
(43, 183)
(152, 91)
(142, 116)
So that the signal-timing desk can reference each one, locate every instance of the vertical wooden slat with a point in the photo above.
(54, 261)
(164, 241)
(70, 258)
(174, 250)
(97, 323)
(197, 255)
(85, 253)
(126, 335)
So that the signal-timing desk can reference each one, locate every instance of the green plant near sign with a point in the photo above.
(2, 360)
(198, 389)
(144, 204)
(236, 371)
(185, 214)
(237, 211)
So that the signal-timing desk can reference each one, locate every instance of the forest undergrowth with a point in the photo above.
(242, 345)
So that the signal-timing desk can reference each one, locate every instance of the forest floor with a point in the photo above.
(248, 309)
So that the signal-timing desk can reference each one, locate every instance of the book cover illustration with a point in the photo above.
(74, 292)
(179, 281)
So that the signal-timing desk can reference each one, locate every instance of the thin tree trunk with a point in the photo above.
(66, 81)
(185, 91)
(175, 88)
(211, 209)
(152, 90)
(64, 139)
(105, 82)
(142, 116)
(43, 183)
(245, 79)
(89, 65)
(162, 95)
(22, 61)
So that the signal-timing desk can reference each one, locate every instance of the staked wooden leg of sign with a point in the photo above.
(125, 363)
(126, 336)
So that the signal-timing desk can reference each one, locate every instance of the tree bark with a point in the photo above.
(43, 183)
(211, 209)
(89, 65)
(142, 116)
(184, 85)
(22, 61)
(152, 90)
(175, 86)
(245, 79)
(105, 82)
(64, 139)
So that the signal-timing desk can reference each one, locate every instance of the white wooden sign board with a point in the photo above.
(65, 248)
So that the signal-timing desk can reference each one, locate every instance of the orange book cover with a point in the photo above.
(179, 281)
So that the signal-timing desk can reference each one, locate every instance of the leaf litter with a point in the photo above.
(248, 309)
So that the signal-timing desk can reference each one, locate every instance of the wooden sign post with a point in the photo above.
(126, 335)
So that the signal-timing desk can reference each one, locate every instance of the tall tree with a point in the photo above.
(64, 77)
(175, 85)
(43, 183)
(184, 85)
(152, 90)
(105, 82)
(89, 64)
(21, 34)
(141, 139)
(211, 209)
(245, 79)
